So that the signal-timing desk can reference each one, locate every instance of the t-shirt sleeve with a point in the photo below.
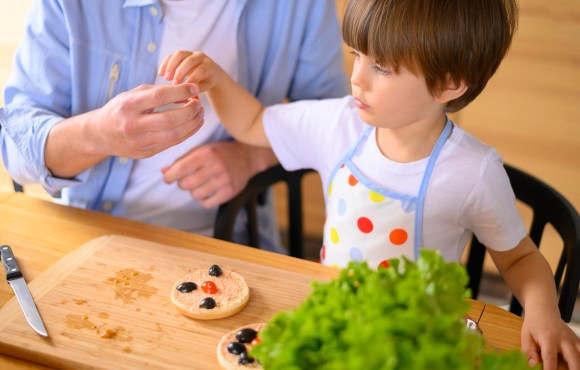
(491, 208)
(299, 132)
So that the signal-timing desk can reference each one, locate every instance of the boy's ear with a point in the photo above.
(452, 91)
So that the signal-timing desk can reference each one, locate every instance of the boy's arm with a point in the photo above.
(239, 111)
(529, 277)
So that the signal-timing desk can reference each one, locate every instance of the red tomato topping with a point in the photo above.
(255, 341)
(209, 287)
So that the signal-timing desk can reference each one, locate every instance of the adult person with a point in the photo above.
(82, 118)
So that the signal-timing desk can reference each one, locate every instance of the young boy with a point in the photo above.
(398, 175)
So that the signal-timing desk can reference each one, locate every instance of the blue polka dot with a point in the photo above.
(341, 207)
(355, 254)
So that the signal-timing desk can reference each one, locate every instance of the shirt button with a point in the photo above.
(123, 160)
(154, 11)
(151, 47)
(107, 206)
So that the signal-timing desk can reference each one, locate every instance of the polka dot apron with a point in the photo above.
(367, 222)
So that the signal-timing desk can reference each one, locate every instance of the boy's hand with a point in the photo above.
(190, 66)
(544, 338)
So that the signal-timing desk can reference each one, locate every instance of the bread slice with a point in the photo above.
(231, 361)
(231, 296)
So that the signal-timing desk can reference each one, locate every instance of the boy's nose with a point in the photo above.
(357, 76)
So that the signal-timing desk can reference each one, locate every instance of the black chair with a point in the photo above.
(17, 187)
(548, 207)
(253, 195)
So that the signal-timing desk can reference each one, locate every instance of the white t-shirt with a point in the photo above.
(469, 190)
(208, 26)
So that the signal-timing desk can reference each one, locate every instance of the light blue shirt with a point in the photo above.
(68, 61)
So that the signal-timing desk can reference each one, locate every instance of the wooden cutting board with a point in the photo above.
(107, 306)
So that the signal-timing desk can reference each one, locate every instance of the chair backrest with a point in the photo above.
(252, 195)
(548, 206)
(17, 187)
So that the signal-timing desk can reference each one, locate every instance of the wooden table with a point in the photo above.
(43, 232)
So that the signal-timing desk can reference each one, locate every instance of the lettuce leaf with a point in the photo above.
(410, 315)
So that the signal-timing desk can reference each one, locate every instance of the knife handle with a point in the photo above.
(9, 262)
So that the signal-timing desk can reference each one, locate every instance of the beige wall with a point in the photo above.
(12, 13)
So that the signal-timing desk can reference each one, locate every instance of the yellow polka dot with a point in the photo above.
(335, 266)
(330, 189)
(376, 197)
(334, 235)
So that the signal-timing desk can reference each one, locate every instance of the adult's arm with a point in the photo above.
(46, 140)
(126, 126)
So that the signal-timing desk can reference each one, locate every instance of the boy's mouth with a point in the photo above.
(359, 104)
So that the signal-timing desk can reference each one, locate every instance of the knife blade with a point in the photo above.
(18, 284)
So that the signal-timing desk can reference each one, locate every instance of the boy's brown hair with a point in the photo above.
(457, 40)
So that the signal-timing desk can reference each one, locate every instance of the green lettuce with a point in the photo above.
(410, 315)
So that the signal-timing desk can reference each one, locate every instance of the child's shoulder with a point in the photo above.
(469, 146)
(471, 157)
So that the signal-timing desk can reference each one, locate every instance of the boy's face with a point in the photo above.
(392, 100)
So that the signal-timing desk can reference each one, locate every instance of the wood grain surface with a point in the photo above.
(107, 305)
(50, 239)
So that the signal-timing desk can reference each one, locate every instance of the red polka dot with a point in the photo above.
(352, 181)
(365, 225)
(322, 253)
(385, 264)
(398, 236)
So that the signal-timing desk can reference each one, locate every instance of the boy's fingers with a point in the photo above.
(173, 63)
(163, 67)
(571, 355)
(549, 356)
(188, 67)
(530, 349)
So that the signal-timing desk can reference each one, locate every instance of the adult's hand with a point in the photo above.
(214, 173)
(126, 126)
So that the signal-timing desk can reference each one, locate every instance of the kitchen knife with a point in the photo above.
(16, 281)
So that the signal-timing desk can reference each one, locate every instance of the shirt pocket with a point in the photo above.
(98, 75)
(113, 81)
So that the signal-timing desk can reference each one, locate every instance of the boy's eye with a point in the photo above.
(380, 70)
(354, 53)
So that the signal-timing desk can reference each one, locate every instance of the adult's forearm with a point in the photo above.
(70, 148)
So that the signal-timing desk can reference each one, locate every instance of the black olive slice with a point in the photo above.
(187, 287)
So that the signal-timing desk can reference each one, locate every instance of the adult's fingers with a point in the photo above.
(172, 118)
(184, 166)
(184, 128)
(147, 99)
(164, 133)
